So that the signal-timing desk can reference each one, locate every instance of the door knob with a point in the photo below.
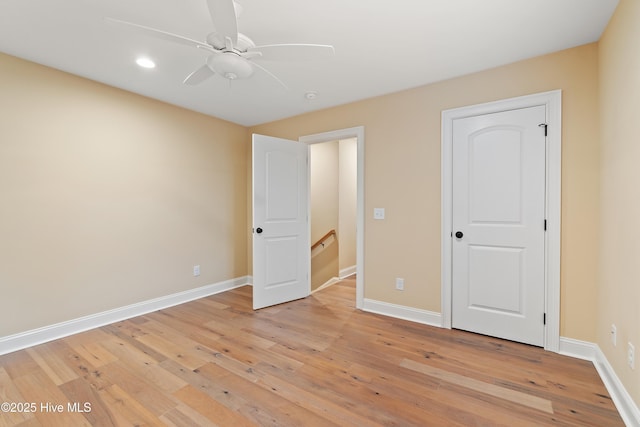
(258, 230)
(459, 234)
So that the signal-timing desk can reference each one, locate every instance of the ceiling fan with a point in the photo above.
(233, 54)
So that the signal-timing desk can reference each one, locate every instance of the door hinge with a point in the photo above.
(545, 225)
(545, 127)
(544, 318)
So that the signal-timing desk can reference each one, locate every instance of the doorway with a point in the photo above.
(356, 133)
(550, 104)
(333, 191)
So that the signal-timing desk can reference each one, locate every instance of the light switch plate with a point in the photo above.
(378, 213)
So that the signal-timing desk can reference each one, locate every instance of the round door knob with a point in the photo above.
(258, 230)
(459, 234)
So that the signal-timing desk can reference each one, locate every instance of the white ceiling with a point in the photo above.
(380, 46)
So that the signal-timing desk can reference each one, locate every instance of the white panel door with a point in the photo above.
(498, 224)
(281, 250)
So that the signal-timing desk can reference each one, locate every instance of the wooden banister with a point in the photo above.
(323, 238)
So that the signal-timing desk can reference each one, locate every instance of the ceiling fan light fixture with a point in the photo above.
(145, 63)
(231, 54)
(230, 66)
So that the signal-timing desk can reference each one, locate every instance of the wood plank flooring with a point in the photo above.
(312, 362)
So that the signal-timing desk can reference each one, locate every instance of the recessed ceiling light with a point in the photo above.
(145, 63)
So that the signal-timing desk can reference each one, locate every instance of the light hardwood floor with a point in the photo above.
(313, 362)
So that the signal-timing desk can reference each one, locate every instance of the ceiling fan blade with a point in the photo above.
(153, 32)
(199, 75)
(223, 15)
(273, 76)
(293, 52)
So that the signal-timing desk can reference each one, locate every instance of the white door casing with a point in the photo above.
(281, 248)
(553, 118)
(498, 224)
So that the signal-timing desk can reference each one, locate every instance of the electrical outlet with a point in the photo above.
(631, 355)
(614, 335)
(399, 283)
(196, 270)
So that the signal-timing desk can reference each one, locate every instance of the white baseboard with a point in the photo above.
(11, 343)
(326, 284)
(578, 349)
(343, 274)
(626, 406)
(346, 272)
(403, 312)
(589, 351)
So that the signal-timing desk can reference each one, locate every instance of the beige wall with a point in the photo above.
(347, 201)
(323, 165)
(324, 176)
(109, 198)
(619, 280)
(402, 174)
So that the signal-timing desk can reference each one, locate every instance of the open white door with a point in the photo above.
(281, 250)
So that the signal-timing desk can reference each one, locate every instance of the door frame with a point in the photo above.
(358, 133)
(553, 102)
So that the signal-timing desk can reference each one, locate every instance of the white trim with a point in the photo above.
(346, 272)
(358, 133)
(577, 349)
(553, 102)
(589, 351)
(326, 284)
(11, 343)
(403, 312)
(626, 406)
